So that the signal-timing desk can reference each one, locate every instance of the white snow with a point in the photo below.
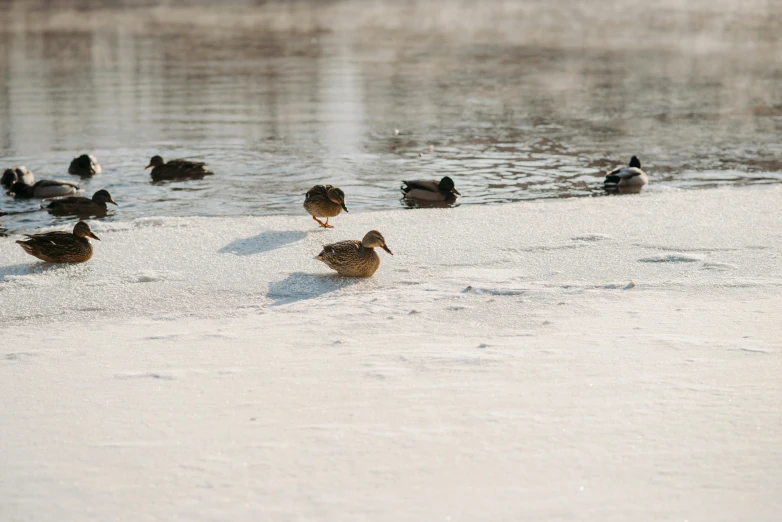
(601, 359)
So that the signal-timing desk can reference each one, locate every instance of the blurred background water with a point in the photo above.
(514, 100)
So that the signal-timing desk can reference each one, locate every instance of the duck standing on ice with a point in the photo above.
(630, 179)
(355, 258)
(324, 201)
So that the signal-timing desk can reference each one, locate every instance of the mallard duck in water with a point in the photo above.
(324, 201)
(629, 179)
(16, 175)
(355, 258)
(176, 169)
(61, 247)
(46, 188)
(81, 206)
(85, 165)
(430, 190)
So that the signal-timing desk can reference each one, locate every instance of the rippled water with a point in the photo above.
(513, 100)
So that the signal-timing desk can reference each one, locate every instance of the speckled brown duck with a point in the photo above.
(355, 258)
(324, 201)
(61, 247)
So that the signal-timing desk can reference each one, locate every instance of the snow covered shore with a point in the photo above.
(585, 359)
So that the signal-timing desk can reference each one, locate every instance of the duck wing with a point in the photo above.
(622, 173)
(65, 202)
(54, 183)
(68, 200)
(183, 164)
(49, 188)
(342, 247)
(318, 193)
(52, 238)
(340, 253)
(625, 172)
(180, 168)
(428, 185)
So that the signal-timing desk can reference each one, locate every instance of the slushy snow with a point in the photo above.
(604, 359)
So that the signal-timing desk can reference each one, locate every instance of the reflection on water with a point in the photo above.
(513, 100)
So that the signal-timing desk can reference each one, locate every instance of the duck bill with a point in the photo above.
(148, 166)
(387, 250)
(455, 192)
(344, 207)
(93, 236)
(113, 202)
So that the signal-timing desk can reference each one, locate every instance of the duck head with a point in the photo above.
(84, 161)
(635, 162)
(21, 189)
(156, 161)
(103, 197)
(337, 196)
(373, 239)
(82, 229)
(446, 186)
(11, 176)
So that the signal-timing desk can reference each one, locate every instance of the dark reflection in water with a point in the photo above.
(513, 100)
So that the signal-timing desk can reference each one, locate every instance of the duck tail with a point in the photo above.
(26, 245)
(612, 180)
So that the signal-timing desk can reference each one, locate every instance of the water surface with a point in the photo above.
(513, 100)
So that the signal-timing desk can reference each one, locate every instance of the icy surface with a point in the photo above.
(596, 359)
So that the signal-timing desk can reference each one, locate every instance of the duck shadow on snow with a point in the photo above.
(34, 267)
(299, 286)
(263, 242)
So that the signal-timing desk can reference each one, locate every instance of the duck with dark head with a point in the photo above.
(85, 166)
(626, 180)
(18, 174)
(80, 206)
(430, 190)
(176, 169)
(46, 188)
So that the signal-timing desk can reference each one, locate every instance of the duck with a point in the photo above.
(46, 188)
(16, 174)
(176, 169)
(85, 165)
(324, 201)
(61, 247)
(355, 258)
(430, 190)
(630, 179)
(81, 206)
